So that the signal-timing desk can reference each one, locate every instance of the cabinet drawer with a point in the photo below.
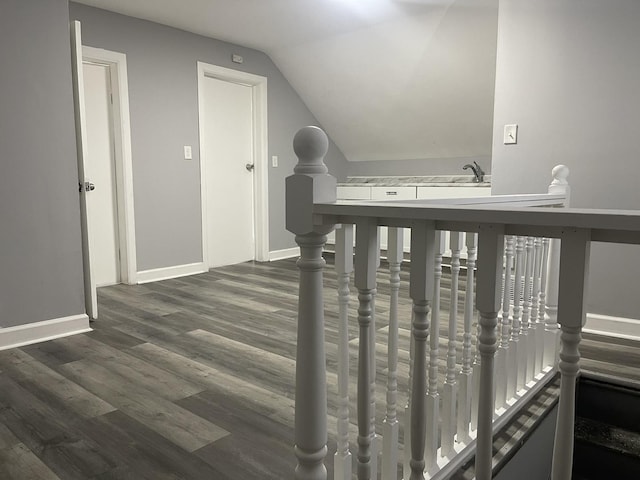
(393, 193)
(453, 192)
(354, 193)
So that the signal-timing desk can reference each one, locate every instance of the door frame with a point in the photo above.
(258, 86)
(117, 66)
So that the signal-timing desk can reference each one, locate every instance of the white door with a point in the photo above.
(100, 168)
(90, 293)
(228, 165)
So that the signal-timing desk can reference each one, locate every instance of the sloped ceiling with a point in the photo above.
(387, 79)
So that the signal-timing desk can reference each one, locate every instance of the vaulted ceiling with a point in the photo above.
(387, 79)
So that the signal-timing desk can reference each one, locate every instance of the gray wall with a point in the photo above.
(40, 246)
(161, 63)
(568, 74)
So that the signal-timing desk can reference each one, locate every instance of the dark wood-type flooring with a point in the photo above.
(191, 378)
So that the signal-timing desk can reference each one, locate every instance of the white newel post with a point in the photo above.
(491, 246)
(559, 185)
(574, 272)
(423, 251)
(344, 267)
(310, 184)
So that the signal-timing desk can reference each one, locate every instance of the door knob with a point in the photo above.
(249, 166)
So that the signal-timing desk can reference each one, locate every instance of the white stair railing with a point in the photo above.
(539, 295)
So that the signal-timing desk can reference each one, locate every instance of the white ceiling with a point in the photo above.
(387, 79)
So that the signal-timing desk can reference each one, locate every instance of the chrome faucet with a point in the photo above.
(477, 171)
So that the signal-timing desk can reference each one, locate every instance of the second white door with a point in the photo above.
(228, 158)
(100, 169)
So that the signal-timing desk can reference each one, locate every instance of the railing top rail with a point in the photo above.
(618, 226)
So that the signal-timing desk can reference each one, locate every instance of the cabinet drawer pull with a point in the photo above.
(392, 193)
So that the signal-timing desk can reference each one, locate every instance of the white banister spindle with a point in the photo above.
(574, 262)
(309, 184)
(504, 359)
(391, 425)
(365, 281)
(375, 447)
(519, 343)
(433, 397)
(551, 329)
(421, 292)
(450, 387)
(465, 378)
(535, 300)
(540, 325)
(406, 472)
(491, 247)
(527, 326)
(344, 267)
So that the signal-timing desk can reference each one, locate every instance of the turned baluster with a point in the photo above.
(375, 447)
(421, 292)
(366, 264)
(406, 472)
(449, 389)
(541, 307)
(535, 300)
(574, 262)
(465, 376)
(433, 397)
(504, 359)
(491, 244)
(344, 267)
(519, 343)
(310, 183)
(527, 326)
(391, 425)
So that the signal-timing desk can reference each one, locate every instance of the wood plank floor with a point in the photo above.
(190, 378)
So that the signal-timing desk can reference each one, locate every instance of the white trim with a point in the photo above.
(620, 327)
(117, 63)
(260, 151)
(165, 273)
(284, 253)
(29, 333)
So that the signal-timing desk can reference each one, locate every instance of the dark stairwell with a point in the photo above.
(607, 431)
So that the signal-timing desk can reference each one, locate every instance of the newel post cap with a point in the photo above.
(560, 184)
(310, 182)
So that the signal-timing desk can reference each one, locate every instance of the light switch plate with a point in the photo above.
(510, 134)
(274, 161)
(187, 152)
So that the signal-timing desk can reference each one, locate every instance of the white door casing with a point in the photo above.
(104, 235)
(233, 133)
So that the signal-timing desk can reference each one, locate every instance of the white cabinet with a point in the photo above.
(404, 192)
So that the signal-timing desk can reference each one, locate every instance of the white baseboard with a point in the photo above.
(285, 253)
(628, 328)
(29, 333)
(166, 273)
